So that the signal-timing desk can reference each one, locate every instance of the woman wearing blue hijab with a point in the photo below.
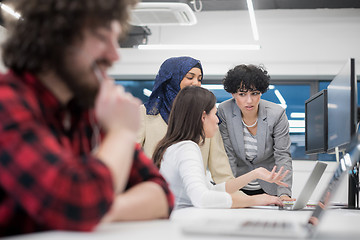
(167, 83)
(174, 74)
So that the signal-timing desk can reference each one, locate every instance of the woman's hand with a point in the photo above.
(116, 109)
(265, 199)
(241, 200)
(272, 177)
(286, 198)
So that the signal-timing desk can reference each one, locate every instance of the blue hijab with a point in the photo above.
(167, 85)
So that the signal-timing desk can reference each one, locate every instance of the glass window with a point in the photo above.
(290, 96)
(139, 88)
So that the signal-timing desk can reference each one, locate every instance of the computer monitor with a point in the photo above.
(342, 108)
(316, 123)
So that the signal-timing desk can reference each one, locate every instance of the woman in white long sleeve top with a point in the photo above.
(192, 119)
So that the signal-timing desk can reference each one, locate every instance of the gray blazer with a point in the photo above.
(273, 142)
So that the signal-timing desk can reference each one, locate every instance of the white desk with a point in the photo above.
(334, 224)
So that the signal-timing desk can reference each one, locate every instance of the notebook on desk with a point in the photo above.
(279, 228)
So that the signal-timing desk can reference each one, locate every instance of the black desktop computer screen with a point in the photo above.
(342, 108)
(316, 123)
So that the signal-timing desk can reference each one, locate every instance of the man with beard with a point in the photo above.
(55, 173)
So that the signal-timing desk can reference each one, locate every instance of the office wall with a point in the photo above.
(293, 42)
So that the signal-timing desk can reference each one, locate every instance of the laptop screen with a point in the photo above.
(346, 163)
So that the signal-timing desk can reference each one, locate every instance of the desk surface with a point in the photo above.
(335, 223)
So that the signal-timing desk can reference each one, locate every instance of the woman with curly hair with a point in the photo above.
(255, 132)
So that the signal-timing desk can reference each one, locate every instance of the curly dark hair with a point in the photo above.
(38, 41)
(246, 78)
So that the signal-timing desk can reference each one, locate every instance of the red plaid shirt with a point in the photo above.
(48, 177)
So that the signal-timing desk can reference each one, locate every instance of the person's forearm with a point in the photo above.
(144, 201)
(235, 184)
(242, 200)
(117, 152)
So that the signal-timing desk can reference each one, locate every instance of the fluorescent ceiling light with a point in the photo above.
(213, 86)
(284, 106)
(280, 97)
(296, 130)
(10, 11)
(199, 47)
(297, 115)
(147, 92)
(297, 123)
(253, 20)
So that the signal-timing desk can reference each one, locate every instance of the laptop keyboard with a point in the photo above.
(255, 228)
(271, 225)
(268, 228)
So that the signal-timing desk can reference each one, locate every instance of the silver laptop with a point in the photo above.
(308, 189)
(281, 228)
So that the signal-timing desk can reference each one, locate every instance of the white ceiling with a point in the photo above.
(306, 42)
(226, 5)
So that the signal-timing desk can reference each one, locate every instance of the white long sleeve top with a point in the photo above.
(182, 167)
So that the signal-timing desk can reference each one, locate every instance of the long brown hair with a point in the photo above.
(185, 119)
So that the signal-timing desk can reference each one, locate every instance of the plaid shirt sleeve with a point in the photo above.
(143, 169)
(43, 185)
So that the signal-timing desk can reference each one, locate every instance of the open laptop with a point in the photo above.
(302, 202)
(281, 228)
(308, 189)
